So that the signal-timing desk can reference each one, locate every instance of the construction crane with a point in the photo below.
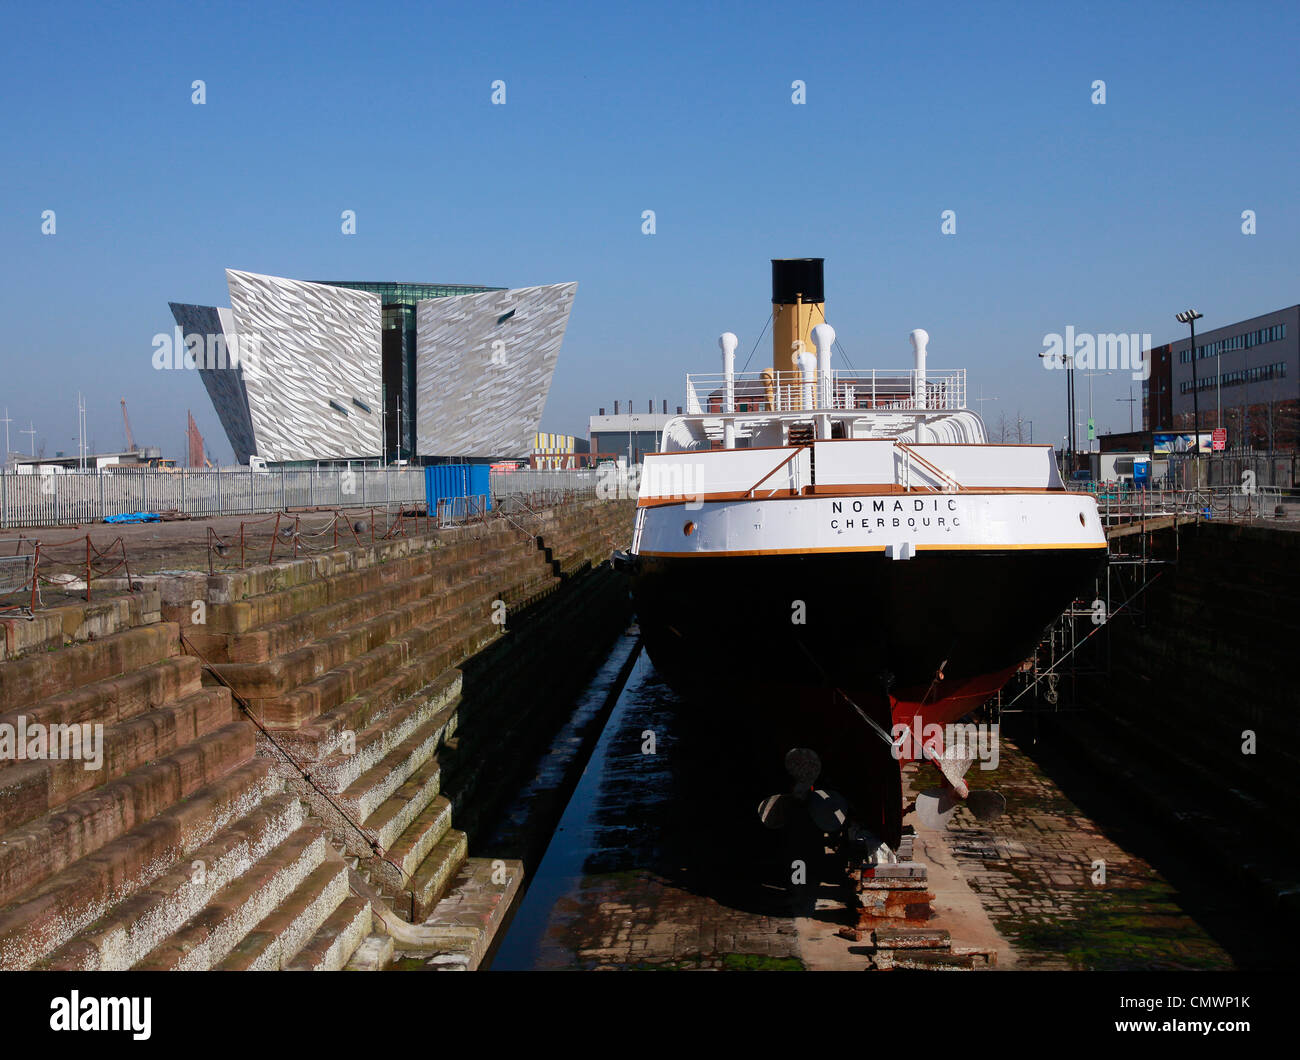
(193, 442)
(126, 422)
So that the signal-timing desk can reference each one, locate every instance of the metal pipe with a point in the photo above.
(808, 371)
(823, 336)
(728, 342)
(919, 338)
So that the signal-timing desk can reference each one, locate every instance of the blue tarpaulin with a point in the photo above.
(443, 481)
(135, 517)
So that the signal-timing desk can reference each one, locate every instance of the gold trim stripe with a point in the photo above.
(1042, 547)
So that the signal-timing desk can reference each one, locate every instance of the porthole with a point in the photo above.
(689, 528)
(1082, 520)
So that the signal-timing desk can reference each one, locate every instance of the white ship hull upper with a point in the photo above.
(898, 524)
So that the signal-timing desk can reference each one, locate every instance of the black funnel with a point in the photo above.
(795, 279)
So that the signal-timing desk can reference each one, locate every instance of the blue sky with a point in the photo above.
(1109, 218)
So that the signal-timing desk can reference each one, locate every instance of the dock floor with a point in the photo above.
(654, 866)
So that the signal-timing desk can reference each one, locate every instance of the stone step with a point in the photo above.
(33, 788)
(300, 629)
(206, 939)
(364, 796)
(886, 938)
(38, 676)
(115, 698)
(531, 593)
(130, 930)
(241, 601)
(414, 818)
(277, 677)
(50, 843)
(422, 831)
(475, 908)
(431, 879)
(337, 939)
(373, 955)
(398, 792)
(534, 598)
(45, 917)
(54, 627)
(422, 579)
(379, 717)
(550, 618)
(933, 961)
(589, 549)
(495, 702)
(260, 582)
(430, 649)
(285, 675)
(266, 610)
(576, 560)
(898, 903)
(903, 870)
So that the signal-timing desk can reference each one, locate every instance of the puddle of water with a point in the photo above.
(561, 869)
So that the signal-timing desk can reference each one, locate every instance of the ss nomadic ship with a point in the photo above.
(821, 555)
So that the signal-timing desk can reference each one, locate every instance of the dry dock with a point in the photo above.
(660, 862)
(423, 747)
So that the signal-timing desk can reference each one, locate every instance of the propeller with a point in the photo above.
(986, 805)
(774, 811)
(803, 765)
(829, 810)
(935, 806)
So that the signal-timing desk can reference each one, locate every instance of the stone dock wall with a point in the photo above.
(293, 754)
(1193, 709)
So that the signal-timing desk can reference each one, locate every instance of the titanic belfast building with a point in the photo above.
(330, 371)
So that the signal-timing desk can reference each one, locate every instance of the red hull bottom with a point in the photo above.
(958, 700)
(856, 761)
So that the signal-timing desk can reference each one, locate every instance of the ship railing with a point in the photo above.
(940, 480)
(877, 390)
(1119, 503)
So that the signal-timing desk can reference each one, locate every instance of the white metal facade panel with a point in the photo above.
(314, 344)
(483, 368)
(225, 386)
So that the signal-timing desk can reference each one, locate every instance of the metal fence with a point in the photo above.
(62, 499)
(15, 573)
(1121, 502)
(1229, 470)
(542, 485)
(453, 510)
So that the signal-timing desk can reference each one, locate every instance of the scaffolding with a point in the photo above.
(1077, 645)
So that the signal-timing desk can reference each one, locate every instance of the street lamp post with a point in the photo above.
(1069, 408)
(1218, 385)
(1091, 420)
(1130, 401)
(1190, 317)
(1067, 361)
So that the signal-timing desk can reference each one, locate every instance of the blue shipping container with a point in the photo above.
(456, 480)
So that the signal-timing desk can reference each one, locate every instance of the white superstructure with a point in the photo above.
(819, 460)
